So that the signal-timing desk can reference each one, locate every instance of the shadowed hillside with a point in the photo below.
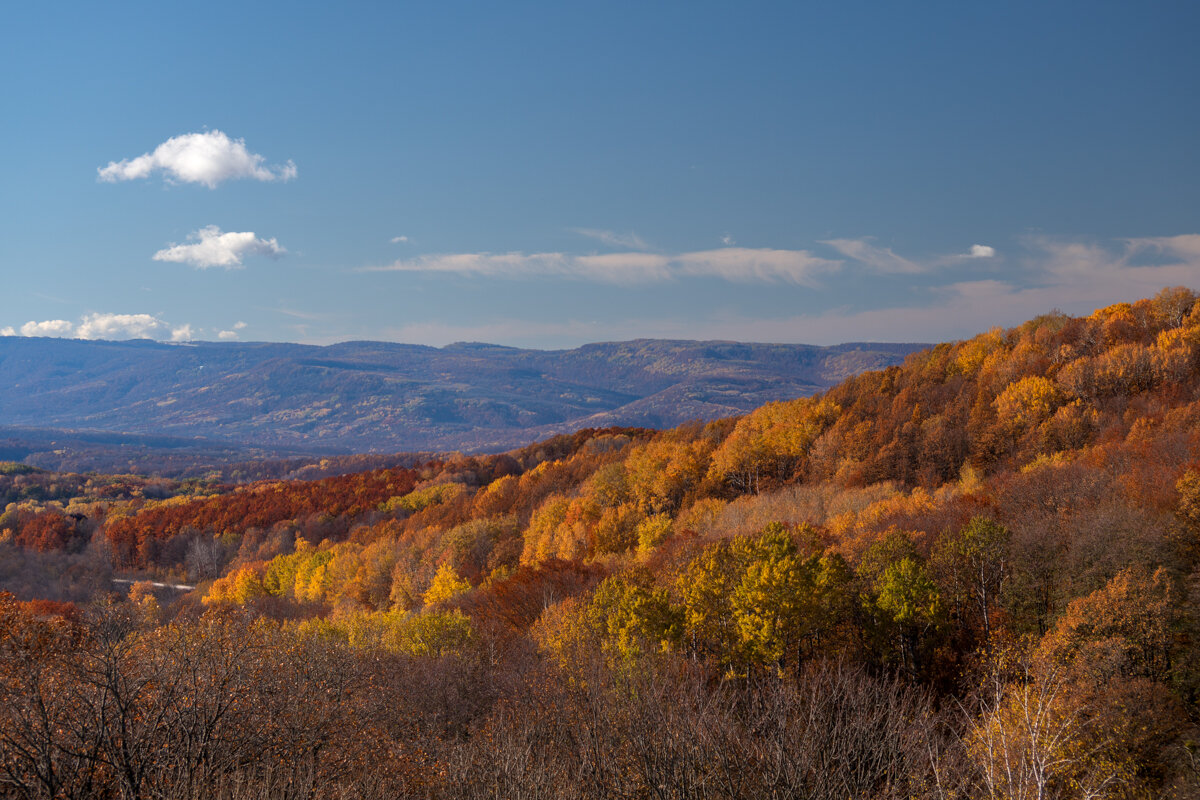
(380, 397)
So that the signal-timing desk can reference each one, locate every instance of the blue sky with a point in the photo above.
(547, 174)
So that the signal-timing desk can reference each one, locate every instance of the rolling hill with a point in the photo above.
(383, 397)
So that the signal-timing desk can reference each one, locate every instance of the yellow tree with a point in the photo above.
(775, 601)
(429, 633)
(771, 443)
(446, 585)
(238, 587)
(663, 472)
(1026, 403)
(632, 618)
(759, 600)
(704, 589)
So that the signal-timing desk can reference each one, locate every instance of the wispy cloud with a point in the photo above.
(1185, 247)
(629, 241)
(399, 239)
(311, 316)
(1113, 272)
(759, 264)
(208, 158)
(211, 248)
(1074, 276)
(880, 259)
(728, 240)
(732, 264)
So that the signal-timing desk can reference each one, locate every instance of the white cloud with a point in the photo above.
(211, 248)
(981, 251)
(119, 326)
(237, 326)
(226, 336)
(880, 259)
(1074, 276)
(630, 241)
(1100, 274)
(732, 264)
(207, 158)
(94, 326)
(728, 240)
(1186, 246)
(50, 327)
(746, 264)
(505, 264)
(109, 326)
(399, 239)
(621, 268)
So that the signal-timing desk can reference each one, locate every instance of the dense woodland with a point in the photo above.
(973, 575)
(164, 406)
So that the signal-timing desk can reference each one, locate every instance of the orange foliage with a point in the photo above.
(256, 506)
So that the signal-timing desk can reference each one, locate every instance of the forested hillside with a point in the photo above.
(975, 574)
(380, 397)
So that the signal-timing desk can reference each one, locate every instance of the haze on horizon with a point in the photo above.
(543, 175)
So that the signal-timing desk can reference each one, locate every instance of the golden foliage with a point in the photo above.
(446, 585)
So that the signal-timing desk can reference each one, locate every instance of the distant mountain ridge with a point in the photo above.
(386, 397)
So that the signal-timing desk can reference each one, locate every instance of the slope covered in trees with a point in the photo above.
(381, 397)
(974, 574)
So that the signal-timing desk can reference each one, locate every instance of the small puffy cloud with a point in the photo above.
(206, 158)
(981, 251)
(399, 239)
(237, 326)
(227, 336)
(880, 259)
(630, 241)
(733, 264)
(106, 326)
(728, 240)
(50, 327)
(211, 248)
(119, 326)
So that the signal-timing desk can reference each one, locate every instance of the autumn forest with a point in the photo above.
(973, 575)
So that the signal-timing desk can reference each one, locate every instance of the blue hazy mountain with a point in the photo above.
(384, 397)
